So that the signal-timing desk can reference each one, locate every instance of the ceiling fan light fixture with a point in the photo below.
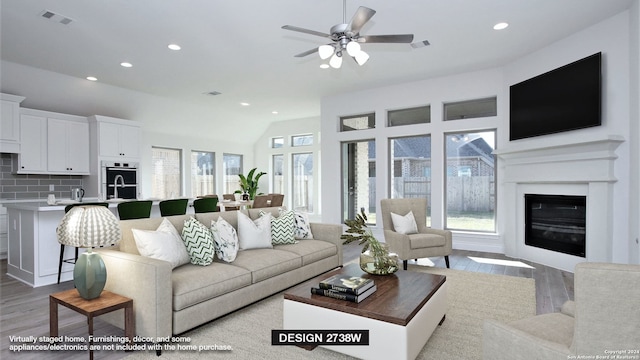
(336, 60)
(353, 48)
(325, 51)
(361, 58)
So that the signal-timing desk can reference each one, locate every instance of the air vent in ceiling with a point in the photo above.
(213, 93)
(50, 15)
(419, 44)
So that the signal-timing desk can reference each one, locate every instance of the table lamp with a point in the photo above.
(89, 227)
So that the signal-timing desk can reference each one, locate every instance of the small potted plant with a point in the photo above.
(249, 184)
(375, 257)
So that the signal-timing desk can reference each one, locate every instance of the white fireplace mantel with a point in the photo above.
(585, 167)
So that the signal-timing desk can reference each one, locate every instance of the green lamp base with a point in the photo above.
(89, 275)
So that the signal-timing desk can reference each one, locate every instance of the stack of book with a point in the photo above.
(346, 287)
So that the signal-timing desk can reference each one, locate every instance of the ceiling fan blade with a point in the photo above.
(308, 52)
(398, 38)
(362, 15)
(306, 31)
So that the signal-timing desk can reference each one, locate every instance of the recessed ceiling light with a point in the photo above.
(174, 47)
(324, 66)
(274, 112)
(244, 104)
(92, 78)
(126, 64)
(500, 26)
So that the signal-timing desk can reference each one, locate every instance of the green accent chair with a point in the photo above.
(173, 207)
(73, 261)
(205, 204)
(138, 209)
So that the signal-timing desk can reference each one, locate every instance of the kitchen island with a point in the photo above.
(33, 249)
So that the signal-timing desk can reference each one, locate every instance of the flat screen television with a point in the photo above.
(563, 99)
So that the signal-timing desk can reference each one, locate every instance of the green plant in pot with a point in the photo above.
(249, 183)
(375, 257)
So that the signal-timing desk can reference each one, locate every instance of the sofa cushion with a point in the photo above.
(194, 284)
(199, 241)
(282, 228)
(254, 234)
(310, 250)
(267, 263)
(225, 239)
(163, 244)
(419, 241)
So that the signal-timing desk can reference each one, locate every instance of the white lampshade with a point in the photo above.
(353, 48)
(361, 58)
(325, 51)
(89, 226)
(336, 61)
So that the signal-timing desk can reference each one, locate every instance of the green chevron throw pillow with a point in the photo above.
(282, 228)
(199, 241)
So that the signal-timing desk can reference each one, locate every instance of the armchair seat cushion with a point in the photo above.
(419, 241)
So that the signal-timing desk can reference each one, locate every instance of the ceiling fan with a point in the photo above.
(346, 37)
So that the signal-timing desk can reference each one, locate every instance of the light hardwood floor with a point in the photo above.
(24, 311)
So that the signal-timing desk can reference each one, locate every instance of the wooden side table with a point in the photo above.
(107, 302)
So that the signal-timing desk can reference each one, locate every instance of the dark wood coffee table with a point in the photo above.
(400, 316)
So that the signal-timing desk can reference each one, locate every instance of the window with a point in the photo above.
(277, 178)
(359, 179)
(418, 115)
(302, 181)
(277, 142)
(470, 181)
(166, 173)
(411, 169)
(359, 122)
(470, 109)
(202, 173)
(231, 166)
(301, 140)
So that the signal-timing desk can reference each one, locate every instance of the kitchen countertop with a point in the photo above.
(41, 205)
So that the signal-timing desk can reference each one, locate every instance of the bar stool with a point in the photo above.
(205, 204)
(70, 261)
(173, 207)
(138, 209)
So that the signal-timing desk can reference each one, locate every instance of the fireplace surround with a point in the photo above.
(584, 168)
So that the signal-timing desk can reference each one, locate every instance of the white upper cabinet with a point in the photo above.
(117, 139)
(33, 144)
(67, 147)
(10, 123)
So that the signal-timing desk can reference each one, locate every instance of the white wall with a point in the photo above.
(264, 156)
(634, 191)
(611, 36)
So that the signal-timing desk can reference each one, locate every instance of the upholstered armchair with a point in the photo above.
(603, 319)
(423, 241)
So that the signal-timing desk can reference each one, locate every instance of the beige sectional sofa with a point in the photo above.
(169, 302)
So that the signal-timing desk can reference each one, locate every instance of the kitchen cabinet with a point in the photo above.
(33, 145)
(67, 147)
(10, 123)
(118, 140)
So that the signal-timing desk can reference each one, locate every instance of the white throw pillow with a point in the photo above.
(163, 244)
(254, 234)
(404, 224)
(302, 228)
(225, 240)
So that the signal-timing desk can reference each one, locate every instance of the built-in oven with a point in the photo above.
(120, 180)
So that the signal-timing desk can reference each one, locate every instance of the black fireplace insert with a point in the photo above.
(556, 222)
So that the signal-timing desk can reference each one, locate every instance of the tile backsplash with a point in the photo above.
(31, 186)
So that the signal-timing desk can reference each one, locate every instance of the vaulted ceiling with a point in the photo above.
(238, 48)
